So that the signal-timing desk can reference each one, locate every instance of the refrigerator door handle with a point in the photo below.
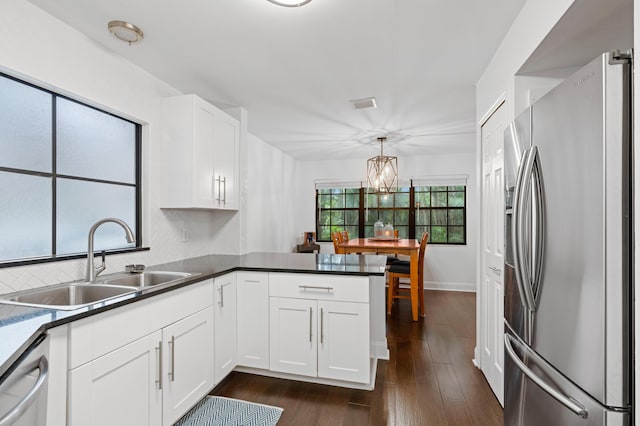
(568, 402)
(540, 211)
(519, 216)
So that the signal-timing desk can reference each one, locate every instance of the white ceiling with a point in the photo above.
(295, 69)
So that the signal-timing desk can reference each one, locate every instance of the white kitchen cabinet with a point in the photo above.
(153, 358)
(187, 364)
(253, 319)
(343, 349)
(226, 162)
(225, 325)
(319, 326)
(320, 338)
(293, 336)
(120, 388)
(200, 150)
(152, 381)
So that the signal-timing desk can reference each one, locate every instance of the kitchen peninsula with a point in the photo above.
(274, 314)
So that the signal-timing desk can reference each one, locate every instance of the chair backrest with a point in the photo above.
(395, 233)
(336, 238)
(423, 248)
(344, 236)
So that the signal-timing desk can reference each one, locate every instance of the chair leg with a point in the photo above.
(390, 292)
(421, 299)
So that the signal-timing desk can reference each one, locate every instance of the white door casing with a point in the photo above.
(491, 289)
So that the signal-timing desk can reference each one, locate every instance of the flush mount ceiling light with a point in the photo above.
(289, 3)
(125, 31)
(382, 172)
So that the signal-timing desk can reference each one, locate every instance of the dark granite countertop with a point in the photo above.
(20, 326)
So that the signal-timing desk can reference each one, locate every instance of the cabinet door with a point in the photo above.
(187, 364)
(120, 388)
(253, 319)
(227, 161)
(225, 325)
(204, 123)
(293, 347)
(343, 349)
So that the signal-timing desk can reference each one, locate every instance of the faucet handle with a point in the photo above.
(103, 266)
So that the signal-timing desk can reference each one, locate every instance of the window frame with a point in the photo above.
(54, 176)
(413, 224)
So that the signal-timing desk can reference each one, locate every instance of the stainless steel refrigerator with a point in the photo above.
(568, 299)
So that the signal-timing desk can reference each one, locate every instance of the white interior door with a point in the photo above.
(491, 291)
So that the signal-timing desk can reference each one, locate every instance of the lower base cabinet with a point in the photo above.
(119, 388)
(225, 325)
(253, 319)
(320, 338)
(187, 361)
(151, 381)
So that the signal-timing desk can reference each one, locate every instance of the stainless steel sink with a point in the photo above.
(68, 296)
(147, 278)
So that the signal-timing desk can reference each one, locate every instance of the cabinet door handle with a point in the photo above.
(219, 192)
(310, 324)
(224, 189)
(313, 287)
(159, 360)
(496, 270)
(221, 291)
(321, 325)
(172, 373)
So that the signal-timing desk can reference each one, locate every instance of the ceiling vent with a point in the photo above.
(364, 103)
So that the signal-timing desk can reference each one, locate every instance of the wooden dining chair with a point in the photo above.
(344, 235)
(337, 240)
(402, 269)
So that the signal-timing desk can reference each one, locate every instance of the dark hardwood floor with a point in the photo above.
(429, 380)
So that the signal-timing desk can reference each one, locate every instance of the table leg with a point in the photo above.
(414, 284)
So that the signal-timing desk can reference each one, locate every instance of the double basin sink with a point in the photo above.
(69, 296)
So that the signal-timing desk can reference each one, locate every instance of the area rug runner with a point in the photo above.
(221, 411)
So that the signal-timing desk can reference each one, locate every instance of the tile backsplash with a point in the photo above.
(165, 239)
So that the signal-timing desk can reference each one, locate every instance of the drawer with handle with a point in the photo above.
(319, 287)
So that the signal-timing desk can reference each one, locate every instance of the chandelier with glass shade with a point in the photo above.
(382, 172)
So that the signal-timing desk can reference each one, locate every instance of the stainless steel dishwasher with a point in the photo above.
(23, 389)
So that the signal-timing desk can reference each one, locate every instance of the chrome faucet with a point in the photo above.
(92, 270)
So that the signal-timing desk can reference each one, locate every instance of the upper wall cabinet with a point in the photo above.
(200, 154)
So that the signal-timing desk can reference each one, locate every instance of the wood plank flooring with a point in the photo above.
(429, 380)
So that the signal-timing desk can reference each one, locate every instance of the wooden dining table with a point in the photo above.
(409, 247)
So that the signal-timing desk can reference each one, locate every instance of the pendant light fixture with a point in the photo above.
(290, 3)
(382, 172)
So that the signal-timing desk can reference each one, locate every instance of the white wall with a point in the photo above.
(39, 48)
(527, 31)
(271, 182)
(446, 267)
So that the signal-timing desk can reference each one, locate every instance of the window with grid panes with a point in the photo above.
(391, 208)
(337, 210)
(63, 166)
(440, 210)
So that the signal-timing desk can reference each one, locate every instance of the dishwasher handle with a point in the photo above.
(20, 408)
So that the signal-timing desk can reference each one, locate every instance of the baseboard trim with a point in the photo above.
(450, 286)
(445, 286)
